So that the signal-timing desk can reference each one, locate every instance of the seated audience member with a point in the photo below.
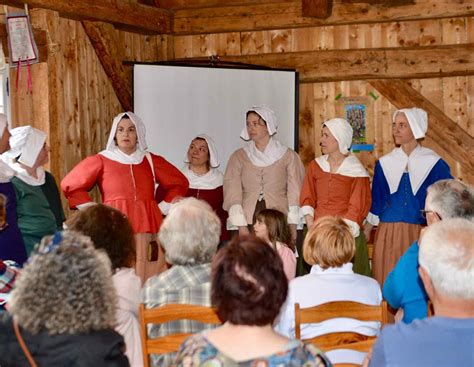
(111, 231)
(447, 270)
(272, 227)
(62, 309)
(38, 204)
(189, 235)
(249, 286)
(11, 242)
(329, 247)
(8, 274)
(403, 288)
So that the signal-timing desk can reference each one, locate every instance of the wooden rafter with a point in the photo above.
(321, 9)
(180, 4)
(447, 134)
(283, 15)
(126, 14)
(360, 64)
(104, 39)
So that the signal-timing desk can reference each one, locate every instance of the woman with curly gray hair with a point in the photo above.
(62, 310)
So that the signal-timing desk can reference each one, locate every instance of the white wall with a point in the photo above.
(176, 103)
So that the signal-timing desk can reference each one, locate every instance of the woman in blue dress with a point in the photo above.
(399, 190)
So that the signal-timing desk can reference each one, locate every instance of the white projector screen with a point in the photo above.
(177, 103)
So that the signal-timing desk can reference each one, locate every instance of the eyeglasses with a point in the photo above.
(424, 213)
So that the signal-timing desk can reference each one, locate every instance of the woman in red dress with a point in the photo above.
(126, 175)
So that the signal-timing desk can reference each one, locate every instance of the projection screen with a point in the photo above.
(178, 102)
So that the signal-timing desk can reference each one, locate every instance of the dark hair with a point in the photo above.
(255, 113)
(249, 285)
(110, 230)
(277, 227)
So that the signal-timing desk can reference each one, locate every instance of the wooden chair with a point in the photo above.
(167, 313)
(346, 309)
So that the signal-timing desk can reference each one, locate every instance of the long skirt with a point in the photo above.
(391, 242)
(144, 268)
(361, 259)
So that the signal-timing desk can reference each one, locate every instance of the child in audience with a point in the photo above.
(272, 227)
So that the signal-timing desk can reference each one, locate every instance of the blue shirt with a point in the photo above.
(403, 205)
(436, 341)
(404, 288)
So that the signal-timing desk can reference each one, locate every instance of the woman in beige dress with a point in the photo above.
(262, 174)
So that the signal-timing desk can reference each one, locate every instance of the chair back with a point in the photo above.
(167, 313)
(346, 309)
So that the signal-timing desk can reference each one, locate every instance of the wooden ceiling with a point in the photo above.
(179, 17)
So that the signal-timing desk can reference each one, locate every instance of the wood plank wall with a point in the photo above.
(318, 100)
(73, 100)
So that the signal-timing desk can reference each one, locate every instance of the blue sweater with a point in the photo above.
(404, 288)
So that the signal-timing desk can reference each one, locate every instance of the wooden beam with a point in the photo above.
(289, 15)
(125, 14)
(104, 39)
(320, 9)
(447, 134)
(376, 63)
(183, 4)
(40, 39)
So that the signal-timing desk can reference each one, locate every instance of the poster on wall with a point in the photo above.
(23, 49)
(357, 111)
(356, 116)
(20, 40)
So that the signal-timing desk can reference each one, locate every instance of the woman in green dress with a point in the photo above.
(39, 210)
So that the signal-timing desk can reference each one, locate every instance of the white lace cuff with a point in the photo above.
(294, 215)
(164, 207)
(236, 218)
(307, 210)
(355, 229)
(373, 219)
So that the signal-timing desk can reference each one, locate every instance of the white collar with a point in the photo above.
(273, 152)
(344, 269)
(350, 166)
(21, 174)
(419, 164)
(210, 180)
(115, 154)
(6, 172)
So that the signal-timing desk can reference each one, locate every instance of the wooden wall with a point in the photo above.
(74, 101)
(318, 100)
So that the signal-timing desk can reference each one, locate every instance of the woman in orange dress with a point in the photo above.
(336, 183)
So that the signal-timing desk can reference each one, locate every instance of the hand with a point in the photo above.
(293, 233)
(244, 231)
(367, 231)
(309, 221)
(399, 315)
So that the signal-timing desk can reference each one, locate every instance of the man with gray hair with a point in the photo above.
(447, 271)
(189, 235)
(403, 288)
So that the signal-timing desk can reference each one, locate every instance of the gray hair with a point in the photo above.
(190, 233)
(66, 287)
(447, 255)
(451, 199)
